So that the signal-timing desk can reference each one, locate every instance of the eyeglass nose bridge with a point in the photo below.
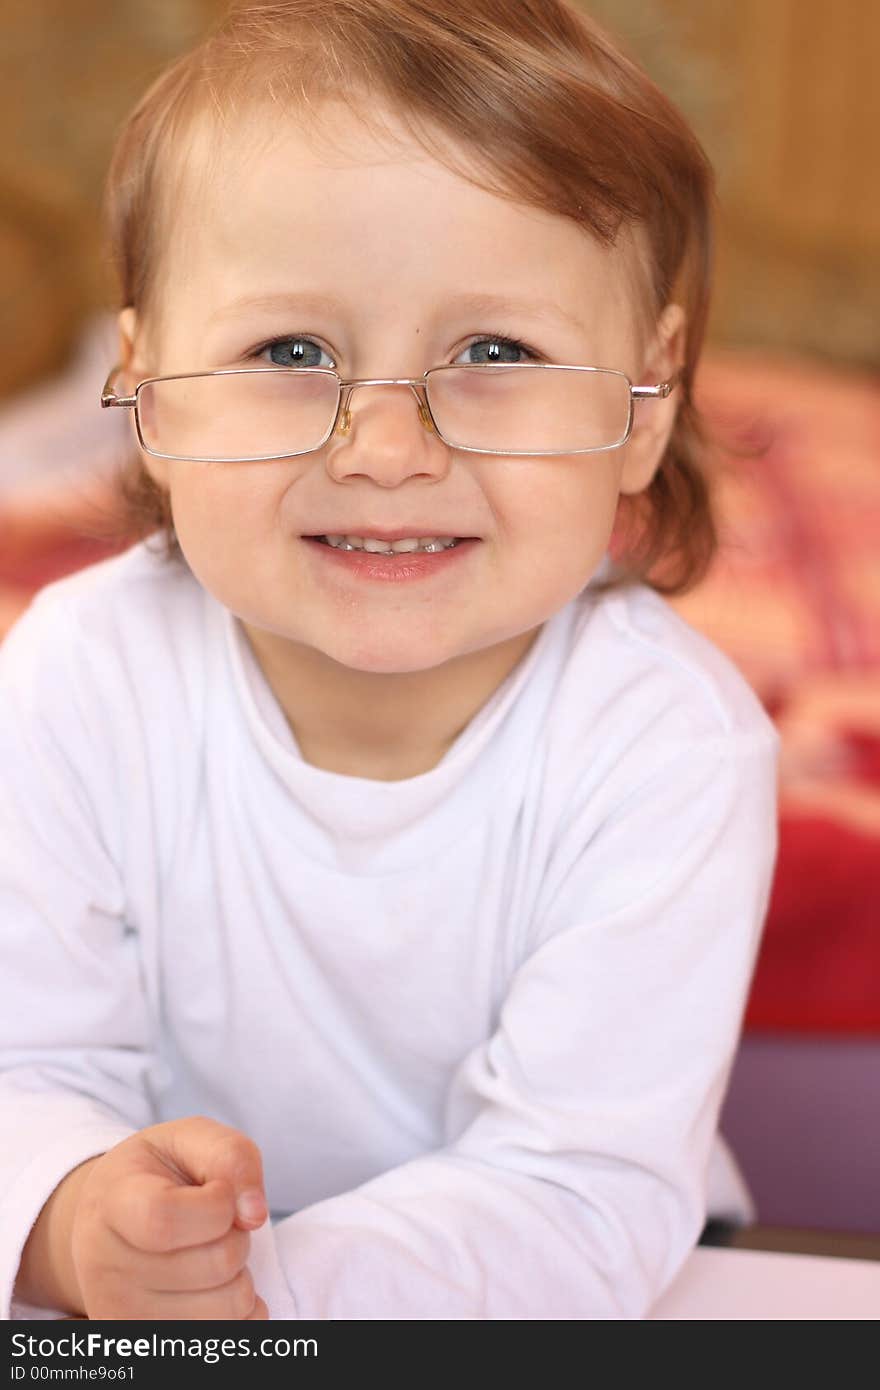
(418, 386)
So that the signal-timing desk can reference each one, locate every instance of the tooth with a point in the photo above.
(408, 544)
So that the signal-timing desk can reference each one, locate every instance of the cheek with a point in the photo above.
(226, 523)
(560, 528)
(566, 498)
(235, 500)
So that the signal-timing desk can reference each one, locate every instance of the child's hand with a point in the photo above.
(156, 1231)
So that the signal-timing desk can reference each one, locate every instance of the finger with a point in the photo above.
(203, 1149)
(123, 1299)
(157, 1214)
(260, 1313)
(193, 1269)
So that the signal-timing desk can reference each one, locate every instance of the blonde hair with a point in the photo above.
(554, 113)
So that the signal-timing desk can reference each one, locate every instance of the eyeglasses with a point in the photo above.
(246, 415)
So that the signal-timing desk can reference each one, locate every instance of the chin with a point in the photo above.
(388, 659)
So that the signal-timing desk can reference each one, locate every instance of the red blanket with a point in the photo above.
(794, 598)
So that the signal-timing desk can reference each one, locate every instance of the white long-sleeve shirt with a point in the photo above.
(480, 1021)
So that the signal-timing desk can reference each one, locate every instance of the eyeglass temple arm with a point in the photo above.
(109, 396)
(643, 393)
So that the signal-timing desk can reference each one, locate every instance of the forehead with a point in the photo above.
(331, 203)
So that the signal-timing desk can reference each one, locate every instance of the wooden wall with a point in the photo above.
(796, 132)
(69, 72)
(783, 93)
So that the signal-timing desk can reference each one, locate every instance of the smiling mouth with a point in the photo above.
(442, 543)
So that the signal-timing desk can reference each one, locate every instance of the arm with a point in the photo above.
(573, 1181)
(100, 1209)
(76, 1057)
(46, 1276)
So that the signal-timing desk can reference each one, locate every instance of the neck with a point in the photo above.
(385, 726)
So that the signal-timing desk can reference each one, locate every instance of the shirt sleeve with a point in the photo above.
(76, 1060)
(573, 1180)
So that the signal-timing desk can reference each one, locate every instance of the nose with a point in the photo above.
(379, 437)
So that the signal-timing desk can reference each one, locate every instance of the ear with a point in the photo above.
(133, 370)
(653, 419)
(127, 328)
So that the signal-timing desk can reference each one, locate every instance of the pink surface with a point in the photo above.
(754, 1285)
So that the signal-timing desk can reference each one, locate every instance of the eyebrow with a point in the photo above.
(543, 311)
(503, 304)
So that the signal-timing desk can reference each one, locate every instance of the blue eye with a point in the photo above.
(298, 350)
(502, 349)
(295, 351)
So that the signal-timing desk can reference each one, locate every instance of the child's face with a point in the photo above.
(396, 238)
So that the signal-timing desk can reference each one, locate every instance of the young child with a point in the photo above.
(378, 925)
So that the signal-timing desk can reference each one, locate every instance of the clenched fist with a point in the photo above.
(158, 1227)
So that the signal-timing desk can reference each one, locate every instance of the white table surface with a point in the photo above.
(721, 1284)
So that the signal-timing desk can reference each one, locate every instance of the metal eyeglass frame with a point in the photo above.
(416, 385)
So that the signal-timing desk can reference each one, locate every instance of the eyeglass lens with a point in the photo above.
(498, 408)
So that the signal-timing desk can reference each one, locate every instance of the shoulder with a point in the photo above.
(659, 761)
(639, 688)
(139, 579)
(710, 685)
(130, 588)
(121, 617)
